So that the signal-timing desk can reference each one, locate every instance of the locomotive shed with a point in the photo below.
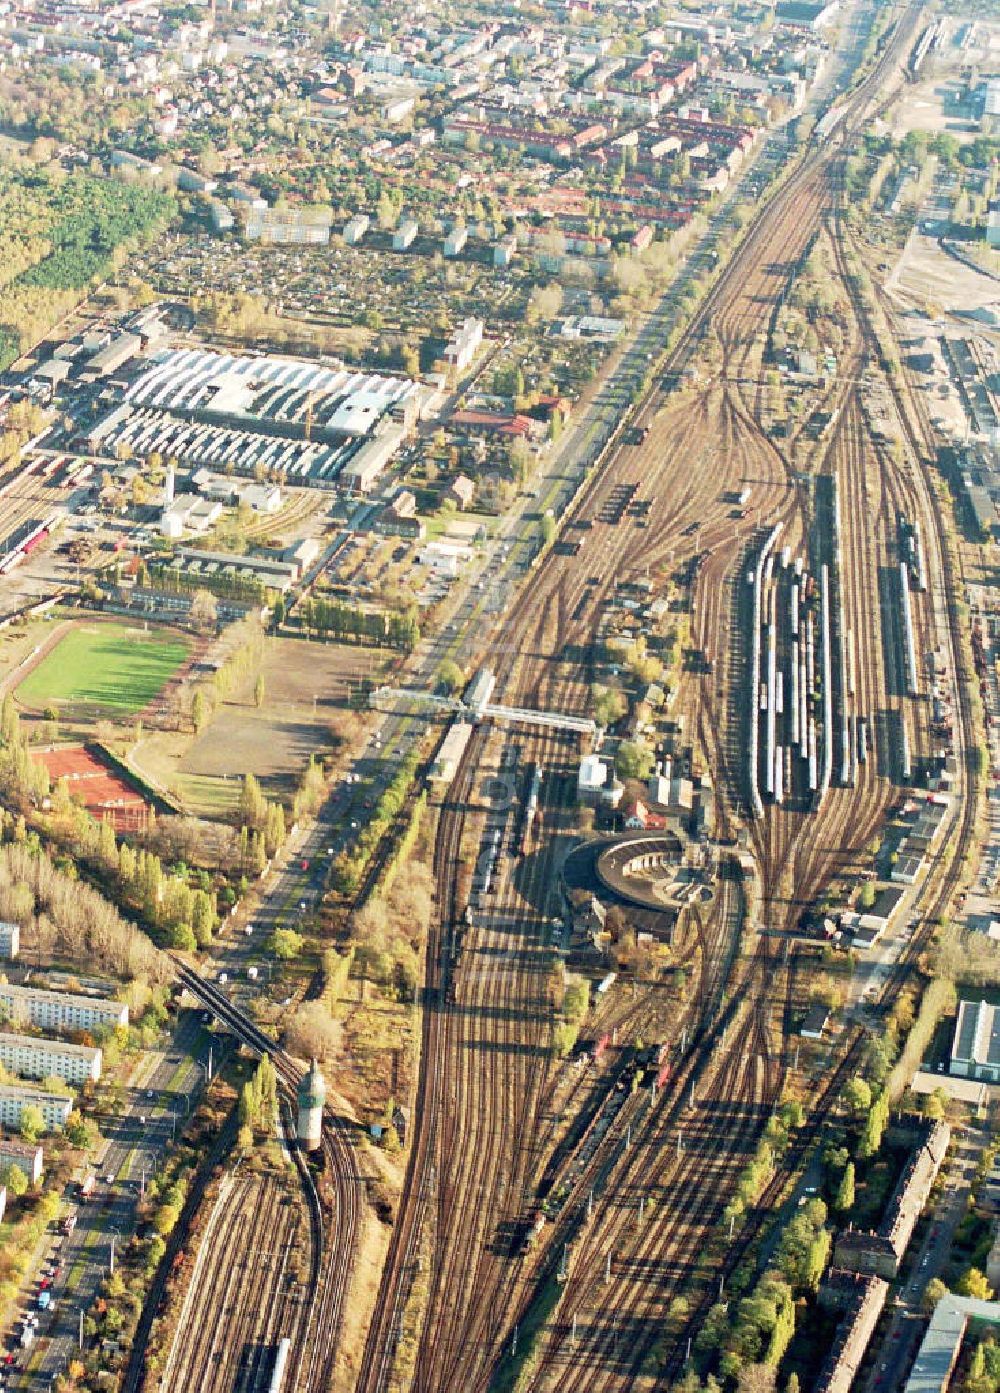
(647, 871)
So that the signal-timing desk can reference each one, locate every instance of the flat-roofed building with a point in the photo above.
(60, 1010)
(938, 1354)
(55, 1108)
(38, 1059)
(464, 343)
(109, 359)
(355, 228)
(27, 1157)
(975, 1050)
(10, 939)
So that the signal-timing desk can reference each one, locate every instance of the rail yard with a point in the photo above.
(817, 610)
(666, 736)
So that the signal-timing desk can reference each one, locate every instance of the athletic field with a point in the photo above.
(114, 666)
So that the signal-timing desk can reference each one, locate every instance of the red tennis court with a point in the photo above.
(101, 790)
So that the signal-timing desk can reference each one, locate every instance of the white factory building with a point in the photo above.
(189, 512)
(10, 939)
(22, 1154)
(37, 1059)
(54, 1107)
(60, 1010)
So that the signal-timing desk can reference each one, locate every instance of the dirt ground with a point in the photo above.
(926, 275)
(306, 686)
(926, 107)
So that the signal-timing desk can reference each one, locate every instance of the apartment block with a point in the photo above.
(54, 1107)
(60, 1010)
(36, 1059)
(22, 1154)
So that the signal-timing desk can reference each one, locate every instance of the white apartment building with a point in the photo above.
(36, 1059)
(60, 1010)
(54, 1107)
(464, 343)
(10, 939)
(22, 1154)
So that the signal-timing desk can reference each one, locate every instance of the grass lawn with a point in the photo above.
(110, 665)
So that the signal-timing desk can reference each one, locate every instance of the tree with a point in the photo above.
(845, 1190)
(285, 944)
(247, 1106)
(204, 610)
(973, 1283)
(32, 1122)
(203, 918)
(633, 761)
(200, 711)
(857, 1095)
(181, 937)
(14, 1178)
(933, 1293)
(252, 807)
(609, 705)
(81, 1131)
(258, 693)
(312, 1033)
(451, 676)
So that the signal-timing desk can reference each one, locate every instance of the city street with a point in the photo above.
(165, 1086)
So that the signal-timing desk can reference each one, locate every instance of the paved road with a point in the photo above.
(891, 1362)
(164, 1085)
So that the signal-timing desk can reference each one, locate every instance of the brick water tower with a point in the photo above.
(312, 1096)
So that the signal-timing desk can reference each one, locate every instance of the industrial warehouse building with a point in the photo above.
(38, 1059)
(938, 1354)
(22, 1154)
(287, 417)
(60, 1010)
(54, 1107)
(975, 1050)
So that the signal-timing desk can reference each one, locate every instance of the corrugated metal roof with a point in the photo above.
(977, 1033)
(935, 1361)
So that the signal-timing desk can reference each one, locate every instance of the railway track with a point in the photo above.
(334, 1215)
(537, 655)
